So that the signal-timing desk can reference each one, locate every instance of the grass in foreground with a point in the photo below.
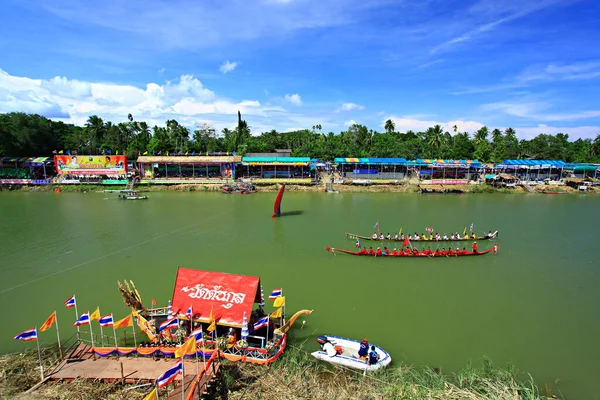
(297, 375)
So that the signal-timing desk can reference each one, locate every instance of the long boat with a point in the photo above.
(334, 250)
(494, 235)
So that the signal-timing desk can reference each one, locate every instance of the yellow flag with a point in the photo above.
(210, 317)
(125, 322)
(465, 231)
(187, 347)
(153, 395)
(51, 320)
(95, 314)
(117, 152)
(212, 326)
(145, 153)
(279, 302)
(277, 313)
(61, 152)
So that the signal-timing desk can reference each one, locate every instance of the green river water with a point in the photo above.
(535, 304)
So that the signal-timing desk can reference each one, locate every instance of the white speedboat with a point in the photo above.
(343, 351)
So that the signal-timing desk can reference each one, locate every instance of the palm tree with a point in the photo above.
(95, 127)
(435, 136)
(390, 126)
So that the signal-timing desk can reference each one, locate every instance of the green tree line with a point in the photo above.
(24, 135)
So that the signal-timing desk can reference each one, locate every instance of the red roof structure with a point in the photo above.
(227, 295)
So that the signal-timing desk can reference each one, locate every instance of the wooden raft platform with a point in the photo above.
(82, 364)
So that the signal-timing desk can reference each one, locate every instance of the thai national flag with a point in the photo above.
(189, 313)
(105, 321)
(70, 302)
(88, 143)
(28, 335)
(197, 333)
(357, 243)
(83, 320)
(169, 324)
(261, 322)
(275, 294)
(169, 375)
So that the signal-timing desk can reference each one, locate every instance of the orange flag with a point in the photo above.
(125, 322)
(51, 320)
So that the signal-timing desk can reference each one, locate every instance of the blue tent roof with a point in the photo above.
(352, 160)
(537, 163)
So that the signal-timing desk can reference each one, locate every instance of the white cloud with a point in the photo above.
(533, 110)
(350, 123)
(349, 107)
(228, 66)
(293, 98)
(551, 72)
(483, 9)
(162, 71)
(404, 124)
(185, 99)
(574, 132)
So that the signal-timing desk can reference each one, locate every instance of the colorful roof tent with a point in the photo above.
(381, 161)
(189, 159)
(29, 161)
(534, 163)
(440, 162)
(227, 295)
(275, 160)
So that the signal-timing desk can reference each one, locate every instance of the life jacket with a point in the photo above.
(338, 349)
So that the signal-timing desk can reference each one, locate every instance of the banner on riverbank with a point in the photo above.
(91, 165)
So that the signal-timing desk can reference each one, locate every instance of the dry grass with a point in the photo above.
(296, 376)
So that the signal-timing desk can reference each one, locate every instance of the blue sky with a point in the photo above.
(533, 65)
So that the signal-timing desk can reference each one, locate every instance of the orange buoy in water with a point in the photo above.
(56, 190)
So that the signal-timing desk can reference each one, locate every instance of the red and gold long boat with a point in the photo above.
(493, 235)
(334, 250)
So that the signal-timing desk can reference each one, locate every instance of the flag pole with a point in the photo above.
(76, 317)
(156, 386)
(101, 330)
(91, 330)
(182, 379)
(114, 331)
(133, 329)
(203, 346)
(39, 355)
(57, 335)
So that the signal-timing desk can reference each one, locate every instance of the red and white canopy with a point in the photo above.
(228, 295)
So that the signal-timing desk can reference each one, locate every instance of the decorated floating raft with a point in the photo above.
(217, 309)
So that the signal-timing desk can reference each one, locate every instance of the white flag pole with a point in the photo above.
(77, 316)
(37, 340)
(101, 330)
(114, 330)
(58, 335)
(182, 380)
(91, 330)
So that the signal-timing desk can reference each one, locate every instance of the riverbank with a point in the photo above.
(297, 375)
(409, 187)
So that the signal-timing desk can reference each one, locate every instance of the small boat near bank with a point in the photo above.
(132, 196)
(344, 351)
(493, 235)
(441, 191)
(238, 188)
(334, 250)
